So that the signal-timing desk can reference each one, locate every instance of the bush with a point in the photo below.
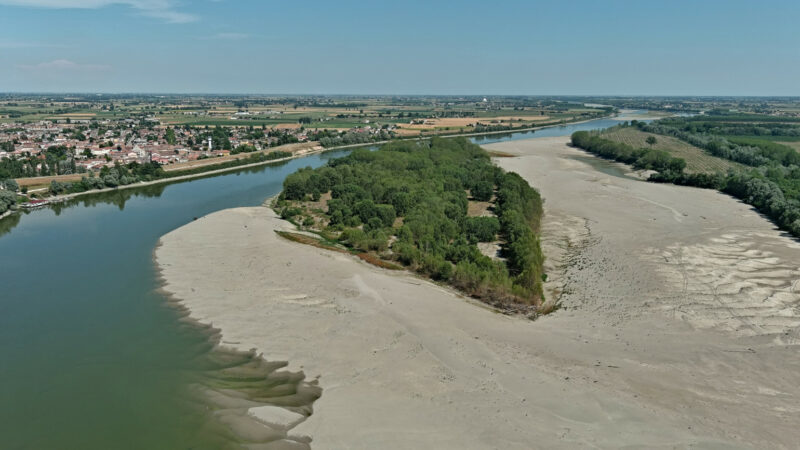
(7, 200)
(10, 185)
(482, 229)
(482, 191)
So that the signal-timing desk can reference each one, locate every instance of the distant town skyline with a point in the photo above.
(509, 48)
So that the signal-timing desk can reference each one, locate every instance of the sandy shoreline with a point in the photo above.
(680, 325)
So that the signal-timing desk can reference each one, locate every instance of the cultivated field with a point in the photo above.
(697, 160)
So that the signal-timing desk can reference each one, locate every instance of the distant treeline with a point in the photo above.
(333, 138)
(772, 185)
(408, 202)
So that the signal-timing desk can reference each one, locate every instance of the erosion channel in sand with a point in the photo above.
(679, 324)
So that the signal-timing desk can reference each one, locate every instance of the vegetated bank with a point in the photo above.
(121, 176)
(409, 203)
(769, 179)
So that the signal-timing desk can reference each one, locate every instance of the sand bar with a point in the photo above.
(680, 325)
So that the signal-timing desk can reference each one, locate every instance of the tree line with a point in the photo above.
(771, 184)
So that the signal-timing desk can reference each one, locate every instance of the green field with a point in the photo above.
(333, 112)
(697, 160)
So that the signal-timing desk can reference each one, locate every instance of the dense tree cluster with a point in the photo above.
(408, 201)
(243, 148)
(119, 175)
(56, 160)
(333, 138)
(281, 137)
(7, 200)
(220, 138)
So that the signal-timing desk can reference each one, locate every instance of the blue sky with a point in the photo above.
(411, 47)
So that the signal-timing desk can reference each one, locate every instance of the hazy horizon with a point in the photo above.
(333, 94)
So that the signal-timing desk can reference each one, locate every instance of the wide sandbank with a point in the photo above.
(679, 326)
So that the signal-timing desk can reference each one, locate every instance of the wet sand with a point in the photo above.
(679, 325)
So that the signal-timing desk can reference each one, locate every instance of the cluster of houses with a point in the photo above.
(123, 141)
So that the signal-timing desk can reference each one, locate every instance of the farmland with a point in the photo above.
(409, 115)
(697, 160)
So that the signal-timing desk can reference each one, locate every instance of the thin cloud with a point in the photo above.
(158, 9)
(24, 44)
(64, 65)
(228, 36)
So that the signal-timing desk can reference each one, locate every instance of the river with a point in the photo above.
(92, 355)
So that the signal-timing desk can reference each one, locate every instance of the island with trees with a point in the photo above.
(437, 207)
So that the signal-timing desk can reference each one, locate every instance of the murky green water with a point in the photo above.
(91, 355)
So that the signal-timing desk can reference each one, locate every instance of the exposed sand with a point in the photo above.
(680, 326)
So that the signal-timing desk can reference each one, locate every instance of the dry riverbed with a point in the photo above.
(679, 327)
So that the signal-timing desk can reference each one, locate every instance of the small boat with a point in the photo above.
(34, 204)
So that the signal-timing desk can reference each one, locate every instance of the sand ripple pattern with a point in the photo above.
(731, 283)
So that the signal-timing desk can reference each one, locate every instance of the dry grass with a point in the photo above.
(498, 154)
(548, 307)
(45, 181)
(697, 160)
(308, 240)
(407, 131)
(479, 209)
(376, 261)
(315, 210)
(75, 115)
(795, 145)
(287, 126)
(314, 242)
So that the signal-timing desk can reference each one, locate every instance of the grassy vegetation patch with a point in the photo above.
(308, 240)
(697, 159)
(375, 260)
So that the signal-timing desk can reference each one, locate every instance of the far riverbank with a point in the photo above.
(296, 155)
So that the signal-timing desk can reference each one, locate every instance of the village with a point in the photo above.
(96, 144)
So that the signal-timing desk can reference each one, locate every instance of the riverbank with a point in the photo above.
(58, 198)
